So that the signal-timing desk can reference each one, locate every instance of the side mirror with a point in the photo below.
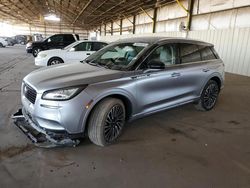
(154, 64)
(72, 49)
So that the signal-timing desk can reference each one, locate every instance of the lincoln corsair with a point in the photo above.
(125, 80)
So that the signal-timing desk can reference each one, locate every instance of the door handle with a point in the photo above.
(205, 70)
(176, 74)
(88, 54)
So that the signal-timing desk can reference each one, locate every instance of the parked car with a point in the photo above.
(75, 52)
(21, 39)
(11, 41)
(3, 42)
(57, 41)
(123, 81)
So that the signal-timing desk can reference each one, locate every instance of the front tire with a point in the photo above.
(35, 51)
(209, 96)
(55, 61)
(106, 121)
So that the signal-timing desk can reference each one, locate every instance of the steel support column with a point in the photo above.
(190, 13)
(120, 26)
(155, 19)
(111, 28)
(105, 29)
(134, 20)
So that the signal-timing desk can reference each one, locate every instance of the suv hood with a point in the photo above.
(60, 76)
(37, 43)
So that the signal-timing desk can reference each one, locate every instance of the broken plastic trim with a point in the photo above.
(39, 137)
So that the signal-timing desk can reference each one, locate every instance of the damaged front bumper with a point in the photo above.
(41, 137)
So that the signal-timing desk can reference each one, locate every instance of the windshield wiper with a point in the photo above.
(92, 63)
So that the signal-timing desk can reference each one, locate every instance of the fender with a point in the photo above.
(97, 99)
(214, 74)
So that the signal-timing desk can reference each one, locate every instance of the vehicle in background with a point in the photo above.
(72, 53)
(21, 39)
(125, 80)
(57, 41)
(3, 42)
(33, 38)
(11, 41)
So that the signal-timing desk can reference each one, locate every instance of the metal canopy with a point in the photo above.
(81, 13)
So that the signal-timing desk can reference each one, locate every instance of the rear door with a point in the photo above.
(68, 39)
(79, 52)
(193, 69)
(55, 42)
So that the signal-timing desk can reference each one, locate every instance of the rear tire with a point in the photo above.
(1, 45)
(106, 121)
(208, 97)
(55, 61)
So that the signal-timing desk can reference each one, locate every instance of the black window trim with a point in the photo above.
(153, 48)
(84, 42)
(180, 59)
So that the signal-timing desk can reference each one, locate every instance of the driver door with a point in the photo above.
(158, 89)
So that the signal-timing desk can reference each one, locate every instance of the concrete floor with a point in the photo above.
(176, 148)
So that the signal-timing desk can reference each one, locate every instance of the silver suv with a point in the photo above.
(124, 81)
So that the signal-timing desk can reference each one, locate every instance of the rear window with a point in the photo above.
(55, 38)
(189, 53)
(207, 53)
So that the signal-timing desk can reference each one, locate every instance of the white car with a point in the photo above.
(72, 53)
(3, 42)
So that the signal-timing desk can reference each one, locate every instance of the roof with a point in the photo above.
(80, 13)
(152, 40)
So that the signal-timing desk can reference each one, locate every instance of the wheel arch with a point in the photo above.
(40, 47)
(123, 97)
(54, 57)
(217, 80)
(216, 77)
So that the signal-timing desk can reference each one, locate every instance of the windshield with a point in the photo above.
(116, 56)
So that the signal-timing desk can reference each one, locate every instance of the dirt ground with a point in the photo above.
(177, 148)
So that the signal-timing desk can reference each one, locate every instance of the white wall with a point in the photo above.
(225, 23)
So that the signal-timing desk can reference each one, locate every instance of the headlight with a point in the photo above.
(42, 55)
(62, 94)
(29, 44)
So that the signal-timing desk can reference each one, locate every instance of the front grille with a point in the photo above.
(29, 93)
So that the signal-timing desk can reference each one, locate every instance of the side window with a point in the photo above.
(189, 53)
(165, 54)
(98, 45)
(206, 53)
(84, 46)
(69, 38)
(56, 38)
